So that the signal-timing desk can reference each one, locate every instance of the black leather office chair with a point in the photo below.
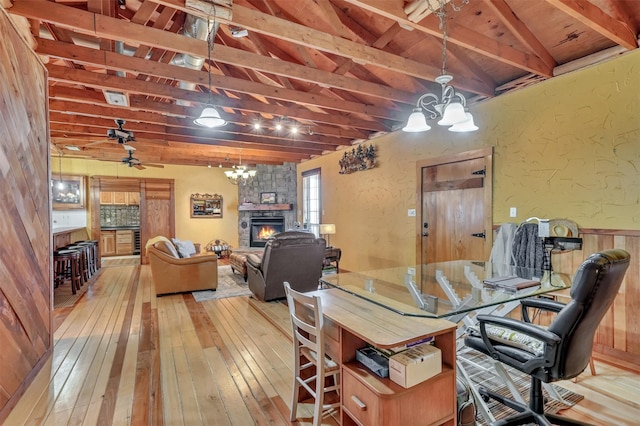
(560, 351)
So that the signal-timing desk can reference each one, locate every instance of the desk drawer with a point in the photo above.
(360, 403)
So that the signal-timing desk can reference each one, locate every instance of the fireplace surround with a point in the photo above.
(263, 227)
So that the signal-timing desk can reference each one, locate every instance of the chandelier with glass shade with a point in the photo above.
(240, 175)
(450, 106)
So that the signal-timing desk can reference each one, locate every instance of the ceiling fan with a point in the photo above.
(120, 135)
(131, 161)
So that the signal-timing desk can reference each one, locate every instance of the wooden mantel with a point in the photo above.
(260, 207)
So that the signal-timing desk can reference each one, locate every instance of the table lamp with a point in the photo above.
(327, 229)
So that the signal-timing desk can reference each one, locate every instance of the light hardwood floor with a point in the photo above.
(123, 356)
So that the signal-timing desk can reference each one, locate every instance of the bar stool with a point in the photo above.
(84, 260)
(308, 347)
(66, 266)
(92, 254)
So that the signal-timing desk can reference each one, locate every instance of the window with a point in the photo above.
(311, 200)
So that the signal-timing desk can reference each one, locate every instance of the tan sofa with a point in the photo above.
(172, 274)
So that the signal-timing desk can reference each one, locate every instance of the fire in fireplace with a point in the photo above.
(263, 227)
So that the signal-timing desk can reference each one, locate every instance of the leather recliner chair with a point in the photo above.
(172, 274)
(292, 256)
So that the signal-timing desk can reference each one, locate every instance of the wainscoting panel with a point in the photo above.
(618, 337)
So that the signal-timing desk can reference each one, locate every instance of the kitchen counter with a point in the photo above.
(64, 235)
(116, 228)
(57, 230)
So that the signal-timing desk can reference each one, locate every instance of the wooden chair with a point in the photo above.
(308, 348)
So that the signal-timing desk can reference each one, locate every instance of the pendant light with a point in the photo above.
(210, 117)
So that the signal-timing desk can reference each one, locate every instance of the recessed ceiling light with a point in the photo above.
(72, 148)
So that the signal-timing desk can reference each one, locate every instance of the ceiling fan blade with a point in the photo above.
(138, 166)
(160, 166)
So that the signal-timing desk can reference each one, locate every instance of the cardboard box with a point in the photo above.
(415, 365)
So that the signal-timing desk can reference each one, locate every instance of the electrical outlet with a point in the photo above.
(411, 212)
(411, 271)
(513, 212)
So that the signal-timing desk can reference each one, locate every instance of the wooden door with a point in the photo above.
(456, 208)
(157, 211)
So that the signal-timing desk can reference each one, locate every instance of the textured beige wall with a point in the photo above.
(188, 180)
(565, 148)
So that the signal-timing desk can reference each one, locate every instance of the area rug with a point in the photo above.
(229, 285)
(63, 297)
(480, 369)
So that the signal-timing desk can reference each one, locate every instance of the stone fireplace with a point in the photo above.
(269, 178)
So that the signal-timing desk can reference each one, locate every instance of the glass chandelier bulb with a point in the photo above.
(465, 126)
(416, 122)
(453, 114)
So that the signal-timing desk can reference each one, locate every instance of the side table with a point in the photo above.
(332, 256)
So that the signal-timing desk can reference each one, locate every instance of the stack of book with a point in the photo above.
(511, 283)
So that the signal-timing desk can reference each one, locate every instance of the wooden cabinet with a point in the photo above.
(116, 243)
(108, 243)
(119, 198)
(133, 198)
(124, 242)
(106, 197)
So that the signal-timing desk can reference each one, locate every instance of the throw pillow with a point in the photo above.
(513, 338)
(185, 248)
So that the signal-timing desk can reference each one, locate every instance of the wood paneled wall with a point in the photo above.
(618, 337)
(25, 255)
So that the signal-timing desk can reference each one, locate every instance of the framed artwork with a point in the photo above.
(67, 192)
(267, 198)
(206, 205)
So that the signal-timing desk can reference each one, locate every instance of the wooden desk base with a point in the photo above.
(354, 323)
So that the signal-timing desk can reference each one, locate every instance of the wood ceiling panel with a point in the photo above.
(344, 70)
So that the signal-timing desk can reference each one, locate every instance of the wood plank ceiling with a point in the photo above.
(343, 71)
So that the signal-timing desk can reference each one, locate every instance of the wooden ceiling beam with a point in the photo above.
(593, 17)
(137, 65)
(333, 131)
(117, 29)
(520, 30)
(175, 126)
(295, 33)
(102, 81)
(252, 151)
(461, 36)
(263, 23)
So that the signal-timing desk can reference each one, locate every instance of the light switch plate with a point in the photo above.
(513, 212)
(411, 212)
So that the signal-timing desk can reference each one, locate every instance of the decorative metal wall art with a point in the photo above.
(358, 159)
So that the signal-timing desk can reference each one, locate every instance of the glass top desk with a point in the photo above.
(443, 290)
